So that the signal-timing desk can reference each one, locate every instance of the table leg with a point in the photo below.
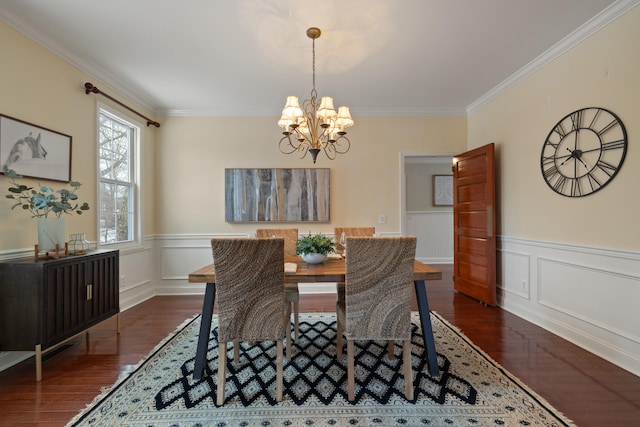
(205, 331)
(427, 330)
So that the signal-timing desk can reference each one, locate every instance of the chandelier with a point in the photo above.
(315, 126)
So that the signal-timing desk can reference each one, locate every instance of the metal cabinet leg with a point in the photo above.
(38, 363)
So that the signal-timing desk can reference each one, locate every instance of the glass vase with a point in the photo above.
(78, 244)
(51, 231)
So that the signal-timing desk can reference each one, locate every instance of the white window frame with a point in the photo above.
(136, 239)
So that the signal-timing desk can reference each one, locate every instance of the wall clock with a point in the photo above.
(583, 152)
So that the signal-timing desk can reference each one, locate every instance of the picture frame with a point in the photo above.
(277, 195)
(442, 190)
(34, 151)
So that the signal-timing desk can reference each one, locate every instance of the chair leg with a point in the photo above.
(390, 350)
(236, 351)
(287, 327)
(350, 371)
(222, 364)
(408, 372)
(279, 371)
(338, 340)
(296, 310)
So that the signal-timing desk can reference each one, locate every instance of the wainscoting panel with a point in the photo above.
(586, 295)
(562, 288)
(178, 261)
(514, 271)
(136, 275)
(434, 231)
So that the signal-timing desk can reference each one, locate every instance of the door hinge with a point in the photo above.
(453, 278)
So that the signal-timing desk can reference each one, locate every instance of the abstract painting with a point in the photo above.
(277, 195)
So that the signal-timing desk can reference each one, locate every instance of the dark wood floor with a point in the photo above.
(585, 388)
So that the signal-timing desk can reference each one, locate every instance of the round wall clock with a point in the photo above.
(583, 152)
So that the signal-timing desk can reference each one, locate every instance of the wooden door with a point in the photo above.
(474, 224)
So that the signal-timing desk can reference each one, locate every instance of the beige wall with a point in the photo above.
(419, 185)
(40, 88)
(194, 151)
(603, 71)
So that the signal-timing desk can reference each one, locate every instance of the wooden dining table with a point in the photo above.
(331, 270)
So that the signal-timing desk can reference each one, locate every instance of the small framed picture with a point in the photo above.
(442, 190)
(34, 151)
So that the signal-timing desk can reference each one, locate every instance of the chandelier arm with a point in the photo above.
(339, 146)
(286, 145)
(303, 149)
(329, 150)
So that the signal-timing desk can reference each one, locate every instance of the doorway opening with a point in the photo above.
(424, 211)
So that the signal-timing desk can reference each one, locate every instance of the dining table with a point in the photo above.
(331, 270)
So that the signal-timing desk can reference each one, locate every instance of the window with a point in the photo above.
(117, 150)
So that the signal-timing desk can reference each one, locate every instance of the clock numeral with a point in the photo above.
(560, 183)
(576, 189)
(576, 119)
(608, 127)
(593, 181)
(613, 145)
(595, 118)
(605, 167)
(559, 129)
(548, 161)
(551, 172)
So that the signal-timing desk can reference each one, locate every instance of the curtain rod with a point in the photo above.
(90, 88)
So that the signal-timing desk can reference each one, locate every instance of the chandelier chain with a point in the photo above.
(313, 50)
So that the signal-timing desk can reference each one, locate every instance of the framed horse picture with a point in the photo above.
(34, 151)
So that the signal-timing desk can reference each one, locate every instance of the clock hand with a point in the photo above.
(580, 160)
(569, 157)
(575, 154)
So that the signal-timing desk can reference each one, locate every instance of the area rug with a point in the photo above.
(471, 390)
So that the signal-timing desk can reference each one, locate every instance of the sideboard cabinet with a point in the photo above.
(47, 301)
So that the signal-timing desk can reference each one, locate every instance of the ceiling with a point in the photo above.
(243, 57)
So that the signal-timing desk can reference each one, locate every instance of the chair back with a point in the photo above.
(378, 287)
(351, 232)
(290, 236)
(249, 288)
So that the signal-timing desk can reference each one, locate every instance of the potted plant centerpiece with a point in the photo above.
(47, 205)
(314, 248)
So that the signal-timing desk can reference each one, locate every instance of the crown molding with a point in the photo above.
(132, 93)
(595, 24)
(355, 111)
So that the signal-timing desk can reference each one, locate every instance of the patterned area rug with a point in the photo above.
(472, 390)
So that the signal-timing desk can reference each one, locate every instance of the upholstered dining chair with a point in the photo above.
(377, 299)
(351, 232)
(249, 288)
(291, 294)
(342, 233)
